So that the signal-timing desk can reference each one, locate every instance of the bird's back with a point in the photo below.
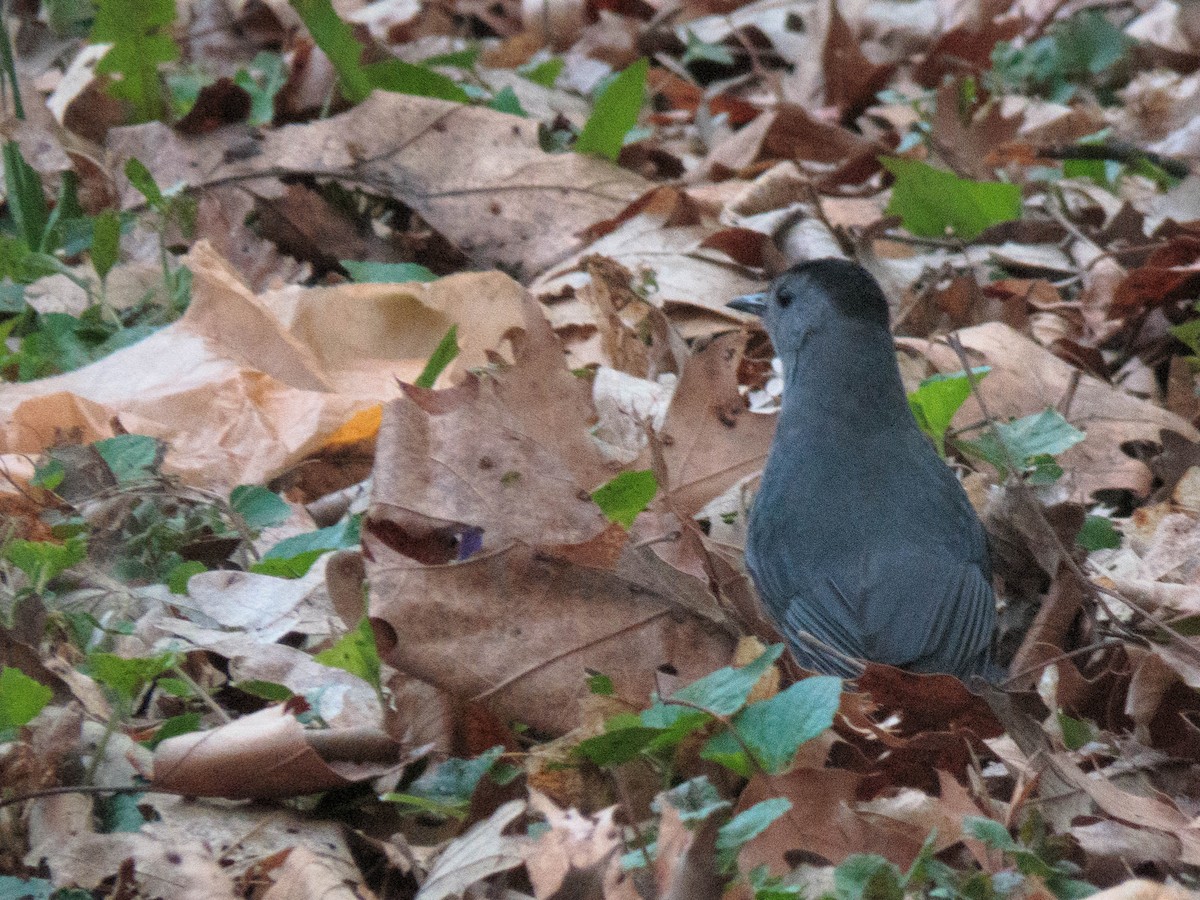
(884, 563)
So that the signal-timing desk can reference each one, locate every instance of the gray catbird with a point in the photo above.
(862, 543)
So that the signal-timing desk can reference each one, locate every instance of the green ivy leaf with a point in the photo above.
(724, 692)
(43, 561)
(131, 457)
(932, 202)
(774, 729)
(615, 113)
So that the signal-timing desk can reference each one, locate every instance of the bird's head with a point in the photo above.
(823, 296)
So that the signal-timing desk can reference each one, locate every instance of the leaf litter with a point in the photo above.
(466, 612)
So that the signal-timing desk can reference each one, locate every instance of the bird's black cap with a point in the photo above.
(847, 286)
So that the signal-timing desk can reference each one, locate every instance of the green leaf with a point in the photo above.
(615, 113)
(176, 687)
(355, 653)
(342, 536)
(447, 789)
(263, 81)
(774, 729)
(695, 800)
(49, 474)
(544, 73)
(43, 561)
(139, 31)
(750, 823)
(931, 202)
(26, 197)
(1098, 533)
(336, 40)
(106, 242)
(459, 59)
(292, 567)
(178, 577)
(1189, 334)
(173, 727)
(14, 888)
(386, 273)
(21, 698)
(139, 176)
(619, 745)
(626, 495)
(131, 457)
(420, 81)
(266, 690)
(259, 507)
(506, 101)
(724, 692)
(1075, 732)
(601, 685)
(443, 354)
(938, 398)
(991, 833)
(1026, 441)
(867, 876)
(127, 678)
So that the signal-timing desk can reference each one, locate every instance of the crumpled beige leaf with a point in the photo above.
(268, 754)
(482, 851)
(246, 385)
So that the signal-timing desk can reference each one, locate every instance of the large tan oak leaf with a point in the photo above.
(476, 175)
(506, 461)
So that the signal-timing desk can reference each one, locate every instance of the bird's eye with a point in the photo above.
(784, 299)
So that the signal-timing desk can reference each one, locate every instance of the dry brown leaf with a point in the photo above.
(477, 176)
(269, 754)
(481, 852)
(306, 875)
(710, 440)
(530, 626)
(822, 821)
(576, 855)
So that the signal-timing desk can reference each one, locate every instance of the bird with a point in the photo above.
(861, 542)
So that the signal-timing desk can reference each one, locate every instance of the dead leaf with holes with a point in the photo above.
(477, 176)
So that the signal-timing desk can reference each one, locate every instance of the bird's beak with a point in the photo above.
(755, 304)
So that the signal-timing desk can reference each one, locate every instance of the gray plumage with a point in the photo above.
(862, 543)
